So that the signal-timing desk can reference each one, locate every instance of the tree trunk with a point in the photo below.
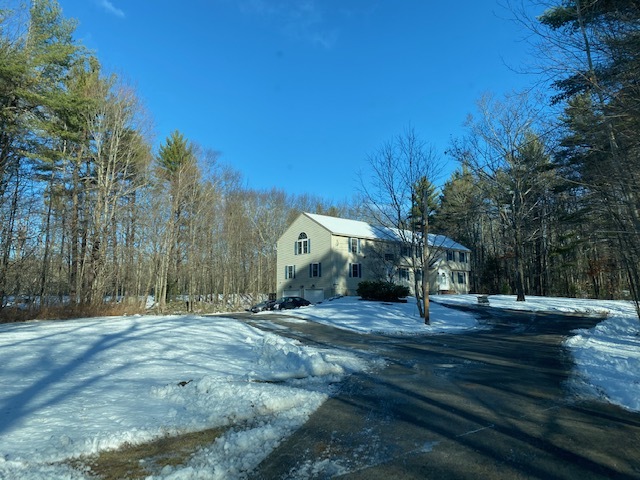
(47, 246)
(425, 258)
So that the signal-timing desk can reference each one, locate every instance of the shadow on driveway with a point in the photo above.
(487, 404)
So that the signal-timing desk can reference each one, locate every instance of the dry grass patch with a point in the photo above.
(68, 312)
(134, 462)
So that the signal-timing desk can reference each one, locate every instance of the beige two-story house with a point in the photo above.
(321, 256)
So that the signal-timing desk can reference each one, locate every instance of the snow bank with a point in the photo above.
(607, 359)
(78, 387)
(351, 313)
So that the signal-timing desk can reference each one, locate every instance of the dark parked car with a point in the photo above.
(286, 303)
(263, 306)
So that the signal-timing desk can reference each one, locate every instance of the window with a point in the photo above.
(290, 271)
(451, 255)
(463, 257)
(405, 251)
(461, 279)
(354, 245)
(403, 273)
(315, 270)
(303, 245)
(389, 257)
(355, 270)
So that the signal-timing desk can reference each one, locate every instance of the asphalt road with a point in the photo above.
(491, 404)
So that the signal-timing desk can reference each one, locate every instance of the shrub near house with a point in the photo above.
(382, 291)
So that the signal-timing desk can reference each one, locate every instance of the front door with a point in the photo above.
(443, 281)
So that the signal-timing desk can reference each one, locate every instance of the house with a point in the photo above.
(321, 256)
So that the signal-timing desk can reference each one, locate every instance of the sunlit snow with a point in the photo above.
(78, 387)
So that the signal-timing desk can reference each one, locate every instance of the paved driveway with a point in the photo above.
(488, 404)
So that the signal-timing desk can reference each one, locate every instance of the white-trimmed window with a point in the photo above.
(302, 245)
(355, 270)
(354, 245)
(461, 278)
(290, 272)
(463, 257)
(451, 256)
(315, 270)
(403, 273)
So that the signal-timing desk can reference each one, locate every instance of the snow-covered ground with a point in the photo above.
(78, 387)
(349, 313)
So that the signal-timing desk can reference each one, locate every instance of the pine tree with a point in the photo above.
(601, 149)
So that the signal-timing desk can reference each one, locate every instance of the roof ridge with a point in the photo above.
(362, 229)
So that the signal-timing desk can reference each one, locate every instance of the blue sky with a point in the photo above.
(296, 93)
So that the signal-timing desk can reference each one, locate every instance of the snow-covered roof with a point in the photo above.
(359, 229)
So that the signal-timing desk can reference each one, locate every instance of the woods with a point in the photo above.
(554, 187)
(94, 210)
(90, 214)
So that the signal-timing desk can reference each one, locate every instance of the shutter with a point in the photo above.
(295, 248)
(319, 269)
(294, 271)
(308, 245)
(350, 270)
(358, 248)
(310, 270)
(359, 270)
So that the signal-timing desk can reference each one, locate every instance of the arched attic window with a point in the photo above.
(303, 244)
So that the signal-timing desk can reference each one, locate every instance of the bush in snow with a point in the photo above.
(383, 291)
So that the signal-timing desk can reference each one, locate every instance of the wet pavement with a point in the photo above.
(493, 404)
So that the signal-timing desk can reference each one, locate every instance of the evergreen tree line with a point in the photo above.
(89, 213)
(547, 195)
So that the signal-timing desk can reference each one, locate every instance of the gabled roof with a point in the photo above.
(359, 229)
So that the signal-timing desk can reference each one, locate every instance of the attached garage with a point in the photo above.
(314, 295)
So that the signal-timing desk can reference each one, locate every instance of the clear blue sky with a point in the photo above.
(296, 93)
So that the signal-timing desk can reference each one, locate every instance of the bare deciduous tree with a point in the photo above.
(392, 188)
